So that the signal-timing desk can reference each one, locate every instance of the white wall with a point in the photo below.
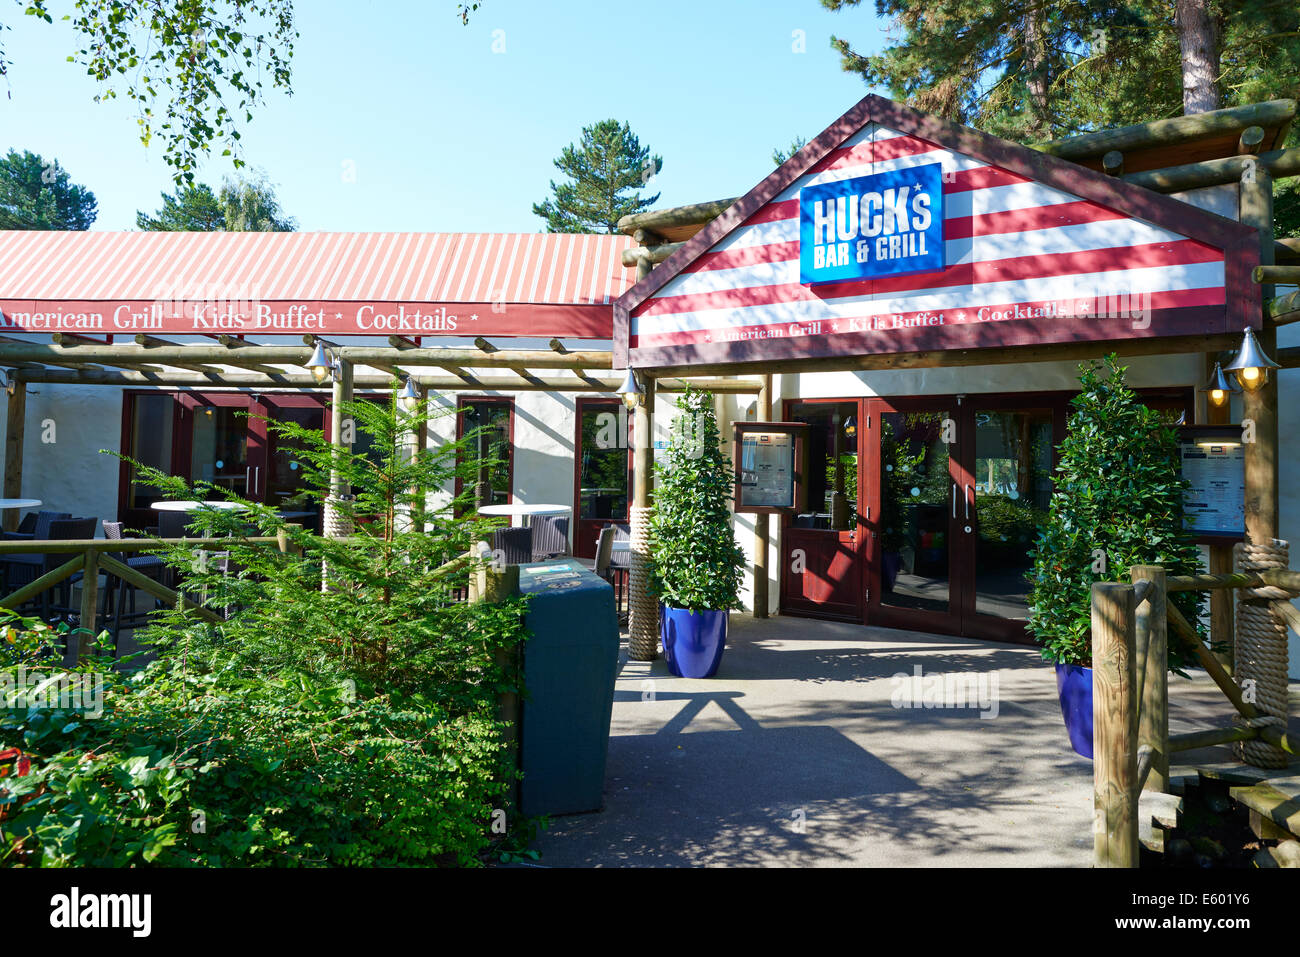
(66, 426)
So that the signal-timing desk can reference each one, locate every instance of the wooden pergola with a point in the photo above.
(235, 363)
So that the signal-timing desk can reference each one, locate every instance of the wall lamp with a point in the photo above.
(1251, 364)
(1220, 388)
(630, 391)
(322, 365)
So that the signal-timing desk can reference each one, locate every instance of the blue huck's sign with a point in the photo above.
(885, 224)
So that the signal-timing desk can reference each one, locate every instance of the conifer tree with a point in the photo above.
(606, 170)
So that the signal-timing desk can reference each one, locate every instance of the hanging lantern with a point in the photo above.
(1220, 387)
(1251, 363)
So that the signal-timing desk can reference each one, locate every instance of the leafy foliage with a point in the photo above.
(606, 169)
(1030, 70)
(38, 194)
(195, 70)
(1117, 494)
(779, 155)
(351, 725)
(243, 205)
(696, 563)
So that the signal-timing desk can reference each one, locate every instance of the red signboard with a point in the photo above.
(300, 317)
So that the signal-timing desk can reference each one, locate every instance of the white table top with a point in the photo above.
(19, 502)
(194, 506)
(520, 509)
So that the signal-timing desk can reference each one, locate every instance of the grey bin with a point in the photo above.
(570, 666)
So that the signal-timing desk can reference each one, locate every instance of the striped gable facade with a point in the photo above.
(1036, 250)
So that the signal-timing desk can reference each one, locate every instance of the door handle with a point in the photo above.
(257, 478)
(954, 499)
(248, 481)
(968, 503)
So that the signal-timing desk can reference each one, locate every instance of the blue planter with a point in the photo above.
(1074, 687)
(693, 640)
(889, 565)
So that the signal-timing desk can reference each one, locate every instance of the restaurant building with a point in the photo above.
(917, 294)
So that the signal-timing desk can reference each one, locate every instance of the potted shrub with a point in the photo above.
(1117, 502)
(696, 564)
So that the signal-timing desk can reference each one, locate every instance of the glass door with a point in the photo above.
(1008, 491)
(603, 471)
(916, 581)
(826, 548)
(225, 445)
(284, 488)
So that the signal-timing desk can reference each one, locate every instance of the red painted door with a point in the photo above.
(825, 549)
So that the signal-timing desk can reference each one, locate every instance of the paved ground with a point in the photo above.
(795, 755)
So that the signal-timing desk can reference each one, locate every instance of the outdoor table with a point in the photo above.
(19, 502)
(525, 511)
(194, 506)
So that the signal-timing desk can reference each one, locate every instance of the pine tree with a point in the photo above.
(242, 206)
(606, 168)
(1035, 69)
(36, 194)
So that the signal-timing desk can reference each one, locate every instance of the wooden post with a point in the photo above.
(643, 611)
(15, 419)
(89, 603)
(1220, 556)
(762, 525)
(1114, 727)
(643, 459)
(1260, 405)
(1152, 640)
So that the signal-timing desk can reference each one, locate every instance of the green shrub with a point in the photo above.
(1117, 502)
(696, 563)
(354, 725)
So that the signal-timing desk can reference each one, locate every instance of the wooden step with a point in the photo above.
(1276, 802)
(1157, 814)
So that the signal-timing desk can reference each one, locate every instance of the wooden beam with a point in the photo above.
(73, 339)
(1287, 275)
(657, 220)
(1191, 740)
(549, 383)
(1113, 163)
(1212, 581)
(1152, 644)
(1283, 310)
(484, 346)
(48, 580)
(1171, 131)
(1056, 352)
(15, 352)
(15, 424)
(1114, 727)
(1261, 404)
(118, 570)
(762, 524)
(651, 254)
(1250, 141)
(1289, 357)
(1286, 249)
(89, 604)
(1173, 179)
(1187, 634)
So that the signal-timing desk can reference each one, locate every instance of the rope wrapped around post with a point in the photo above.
(335, 523)
(643, 610)
(1261, 650)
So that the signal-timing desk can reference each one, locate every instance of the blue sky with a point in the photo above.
(444, 134)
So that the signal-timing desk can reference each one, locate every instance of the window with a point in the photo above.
(488, 423)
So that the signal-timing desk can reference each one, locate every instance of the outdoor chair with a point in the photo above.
(620, 563)
(24, 569)
(115, 599)
(550, 537)
(513, 546)
(35, 525)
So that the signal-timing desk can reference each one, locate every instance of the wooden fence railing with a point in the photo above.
(1131, 625)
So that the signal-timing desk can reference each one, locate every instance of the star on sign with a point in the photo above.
(473, 317)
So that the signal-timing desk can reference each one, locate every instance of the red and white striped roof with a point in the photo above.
(47, 273)
(1036, 249)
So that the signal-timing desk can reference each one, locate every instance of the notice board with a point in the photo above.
(1214, 464)
(769, 466)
